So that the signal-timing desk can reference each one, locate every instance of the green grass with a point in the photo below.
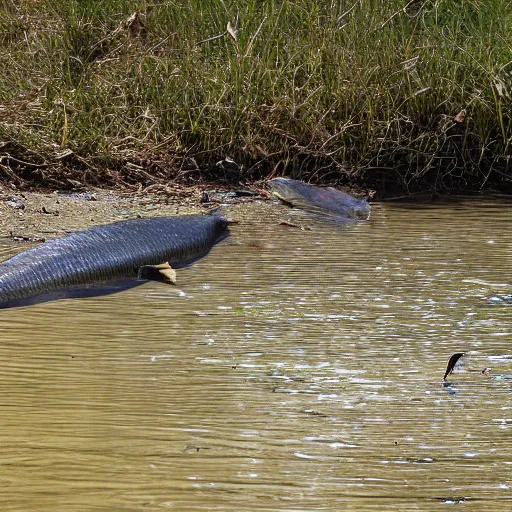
(413, 95)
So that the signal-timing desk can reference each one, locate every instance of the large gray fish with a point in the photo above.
(74, 265)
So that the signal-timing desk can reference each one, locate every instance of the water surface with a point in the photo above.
(292, 370)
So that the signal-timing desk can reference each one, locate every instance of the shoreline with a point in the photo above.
(34, 215)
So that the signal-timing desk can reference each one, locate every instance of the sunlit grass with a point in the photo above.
(397, 95)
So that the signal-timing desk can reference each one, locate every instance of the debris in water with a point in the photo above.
(293, 225)
(454, 501)
(500, 299)
(196, 448)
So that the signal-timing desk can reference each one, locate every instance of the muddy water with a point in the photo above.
(292, 370)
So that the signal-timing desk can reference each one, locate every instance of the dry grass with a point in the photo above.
(415, 95)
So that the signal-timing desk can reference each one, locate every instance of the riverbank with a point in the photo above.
(405, 98)
(34, 216)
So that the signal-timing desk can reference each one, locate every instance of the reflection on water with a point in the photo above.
(293, 370)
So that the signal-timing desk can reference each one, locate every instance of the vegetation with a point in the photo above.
(391, 95)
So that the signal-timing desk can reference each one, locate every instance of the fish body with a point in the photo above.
(107, 253)
(324, 201)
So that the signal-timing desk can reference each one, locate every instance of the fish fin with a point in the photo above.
(453, 363)
(162, 273)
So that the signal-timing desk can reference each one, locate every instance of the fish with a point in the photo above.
(326, 201)
(108, 258)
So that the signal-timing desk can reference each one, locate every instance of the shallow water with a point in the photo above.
(293, 370)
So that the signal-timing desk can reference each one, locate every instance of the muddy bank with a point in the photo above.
(33, 216)
(36, 216)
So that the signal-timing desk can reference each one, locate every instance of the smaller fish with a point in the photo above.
(326, 201)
